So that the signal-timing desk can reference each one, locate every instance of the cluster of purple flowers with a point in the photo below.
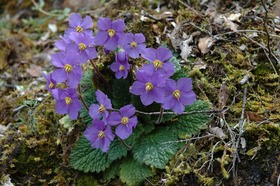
(152, 84)
(100, 133)
(76, 48)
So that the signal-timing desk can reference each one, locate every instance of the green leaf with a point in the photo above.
(121, 94)
(134, 173)
(117, 150)
(155, 149)
(182, 73)
(88, 93)
(176, 63)
(112, 171)
(87, 159)
(187, 125)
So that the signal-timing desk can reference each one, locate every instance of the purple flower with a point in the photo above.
(149, 87)
(83, 45)
(133, 44)
(101, 109)
(121, 66)
(159, 59)
(79, 25)
(125, 121)
(68, 68)
(178, 95)
(67, 102)
(99, 135)
(62, 43)
(51, 83)
(109, 32)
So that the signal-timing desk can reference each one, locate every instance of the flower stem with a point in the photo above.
(81, 97)
(97, 71)
(126, 145)
(160, 116)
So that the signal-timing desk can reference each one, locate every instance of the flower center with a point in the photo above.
(157, 63)
(68, 100)
(101, 108)
(51, 85)
(101, 134)
(79, 29)
(149, 86)
(177, 94)
(68, 68)
(121, 67)
(82, 46)
(111, 32)
(133, 44)
(125, 120)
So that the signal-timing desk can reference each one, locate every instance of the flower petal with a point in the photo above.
(184, 84)
(118, 25)
(127, 111)
(123, 131)
(75, 20)
(139, 38)
(87, 23)
(59, 75)
(163, 54)
(104, 24)
(61, 107)
(114, 118)
(101, 37)
(137, 88)
(150, 54)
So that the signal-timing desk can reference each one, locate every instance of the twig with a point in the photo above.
(265, 28)
(43, 11)
(266, 50)
(241, 31)
(184, 113)
(241, 126)
(190, 8)
(81, 97)
(194, 138)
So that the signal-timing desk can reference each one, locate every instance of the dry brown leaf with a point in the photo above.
(204, 44)
(252, 116)
(223, 95)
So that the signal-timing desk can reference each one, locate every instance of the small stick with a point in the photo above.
(81, 97)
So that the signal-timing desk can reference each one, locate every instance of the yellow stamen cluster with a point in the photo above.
(68, 68)
(101, 134)
(79, 29)
(177, 94)
(157, 63)
(51, 85)
(111, 32)
(82, 46)
(121, 67)
(101, 108)
(133, 44)
(68, 100)
(149, 86)
(125, 120)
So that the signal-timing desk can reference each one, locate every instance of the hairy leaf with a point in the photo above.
(155, 149)
(134, 173)
(87, 159)
(191, 123)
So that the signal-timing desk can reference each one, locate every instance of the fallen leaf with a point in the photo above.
(218, 132)
(234, 17)
(204, 44)
(223, 95)
(185, 48)
(252, 116)
(34, 70)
